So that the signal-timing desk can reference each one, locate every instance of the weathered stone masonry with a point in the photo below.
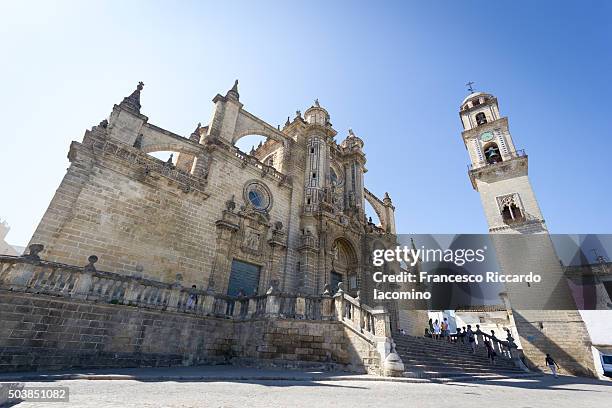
(293, 209)
(60, 316)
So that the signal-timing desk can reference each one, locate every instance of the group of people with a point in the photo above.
(440, 330)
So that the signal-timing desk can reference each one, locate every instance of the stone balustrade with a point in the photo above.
(362, 318)
(31, 274)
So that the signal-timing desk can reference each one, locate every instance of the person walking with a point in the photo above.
(459, 336)
(490, 352)
(470, 337)
(431, 329)
(552, 364)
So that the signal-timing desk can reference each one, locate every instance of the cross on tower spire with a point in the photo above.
(469, 86)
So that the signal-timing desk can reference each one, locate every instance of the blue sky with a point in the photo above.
(394, 72)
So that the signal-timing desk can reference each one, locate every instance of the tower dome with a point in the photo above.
(475, 99)
(316, 115)
(352, 140)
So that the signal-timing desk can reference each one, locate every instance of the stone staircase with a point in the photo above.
(442, 361)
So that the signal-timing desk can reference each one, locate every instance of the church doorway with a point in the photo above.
(243, 277)
(336, 278)
(344, 266)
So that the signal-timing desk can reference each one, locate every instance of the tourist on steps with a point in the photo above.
(459, 336)
(471, 340)
(490, 352)
(445, 330)
(552, 364)
(431, 329)
(437, 330)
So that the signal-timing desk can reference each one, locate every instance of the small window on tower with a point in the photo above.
(314, 175)
(481, 119)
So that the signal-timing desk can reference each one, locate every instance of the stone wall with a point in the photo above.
(562, 333)
(45, 332)
(146, 221)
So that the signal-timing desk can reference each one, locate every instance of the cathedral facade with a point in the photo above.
(288, 214)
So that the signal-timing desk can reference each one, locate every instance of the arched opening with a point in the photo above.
(372, 215)
(250, 143)
(267, 150)
(492, 154)
(166, 156)
(481, 118)
(512, 213)
(344, 266)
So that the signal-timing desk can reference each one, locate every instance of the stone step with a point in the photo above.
(439, 367)
(482, 377)
(424, 340)
(451, 367)
(445, 346)
(441, 350)
(436, 346)
(444, 361)
(458, 357)
(480, 350)
(414, 361)
(449, 373)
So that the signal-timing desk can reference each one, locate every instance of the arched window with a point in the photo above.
(481, 119)
(510, 211)
(491, 152)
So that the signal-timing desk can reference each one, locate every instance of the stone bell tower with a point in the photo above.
(545, 313)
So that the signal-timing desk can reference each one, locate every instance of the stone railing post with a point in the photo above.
(236, 308)
(208, 303)
(327, 307)
(20, 275)
(515, 353)
(300, 307)
(83, 285)
(175, 293)
(357, 318)
(131, 293)
(251, 308)
(382, 325)
(272, 300)
(339, 306)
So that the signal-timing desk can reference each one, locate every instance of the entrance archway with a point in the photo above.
(344, 265)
